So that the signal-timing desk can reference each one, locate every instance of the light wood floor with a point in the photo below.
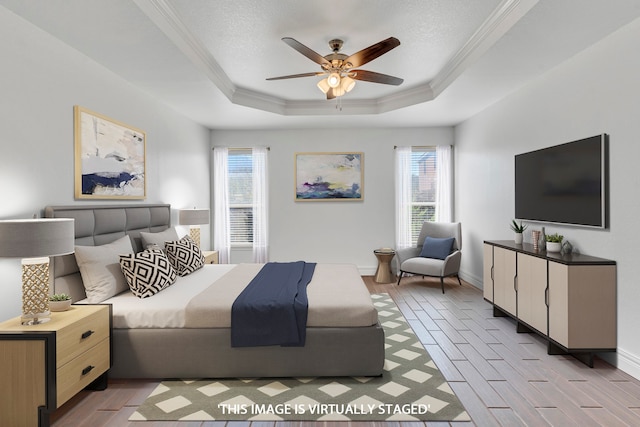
(503, 378)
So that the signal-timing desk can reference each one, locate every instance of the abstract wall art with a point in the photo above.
(329, 176)
(109, 158)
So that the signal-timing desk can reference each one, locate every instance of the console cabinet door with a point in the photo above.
(487, 277)
(504, 274)
(582, 305)
(532, 290)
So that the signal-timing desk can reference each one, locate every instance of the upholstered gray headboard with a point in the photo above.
(100, 224)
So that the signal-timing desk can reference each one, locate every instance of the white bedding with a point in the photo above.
(337, 298)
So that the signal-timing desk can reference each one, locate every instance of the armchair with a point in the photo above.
(435, 260)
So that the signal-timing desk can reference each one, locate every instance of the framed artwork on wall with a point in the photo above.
(329, 176)
(110, 158)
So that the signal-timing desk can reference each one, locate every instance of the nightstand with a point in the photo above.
(210, 257)
(45, 365)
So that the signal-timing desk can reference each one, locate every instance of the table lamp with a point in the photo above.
(194, 218)
(35, 240)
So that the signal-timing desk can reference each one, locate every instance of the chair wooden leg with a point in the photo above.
(442, 283)
(400, 277)
(459, 280)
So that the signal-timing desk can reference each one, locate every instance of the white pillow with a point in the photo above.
(100, 269)
(168, 235)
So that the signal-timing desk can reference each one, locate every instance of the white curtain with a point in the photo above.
(403, 197)
(444, 183)
(221, 230)
(260, 205)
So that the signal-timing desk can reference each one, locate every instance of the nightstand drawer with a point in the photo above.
(81, 335)
(81, 371)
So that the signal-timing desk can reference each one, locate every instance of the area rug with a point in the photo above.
(410, 389)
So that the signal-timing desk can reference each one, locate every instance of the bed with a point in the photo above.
(155, 338)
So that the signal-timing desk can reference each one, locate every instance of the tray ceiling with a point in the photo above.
(209, 59)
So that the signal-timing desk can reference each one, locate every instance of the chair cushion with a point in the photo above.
(436, 248)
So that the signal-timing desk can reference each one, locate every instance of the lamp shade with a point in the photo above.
(333, 80)
(323, 85)
(193, 216)
(40, 237)
(347, 83)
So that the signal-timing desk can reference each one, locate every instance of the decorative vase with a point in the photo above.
(535, 237)
(543, 240)
(518, 238)
(554, 246)
(59, 305)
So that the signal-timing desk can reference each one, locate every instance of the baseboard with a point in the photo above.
(625, 361)
(471, 279)
(367, 270)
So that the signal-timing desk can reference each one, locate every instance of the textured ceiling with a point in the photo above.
(209, 59)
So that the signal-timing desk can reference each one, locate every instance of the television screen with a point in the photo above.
(564, 184)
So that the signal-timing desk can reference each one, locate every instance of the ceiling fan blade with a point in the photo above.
(370, 76)
(295, 76)
(372, 52)
(309, 53)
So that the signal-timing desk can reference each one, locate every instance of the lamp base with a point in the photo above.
(35, 319)
(35, 291)
(194, 233)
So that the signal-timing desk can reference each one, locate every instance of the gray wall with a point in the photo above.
(42, 79)
(597, 91)
(335, 232)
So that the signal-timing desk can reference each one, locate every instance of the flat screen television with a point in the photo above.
(565, 184)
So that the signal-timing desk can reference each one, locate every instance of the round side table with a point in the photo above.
(383, 272)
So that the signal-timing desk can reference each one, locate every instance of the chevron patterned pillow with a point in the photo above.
(147, 272)
(185, 256)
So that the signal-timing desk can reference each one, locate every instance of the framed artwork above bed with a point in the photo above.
(110, 158)
(329, 176)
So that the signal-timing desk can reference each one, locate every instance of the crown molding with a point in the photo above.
(167, 19)
(503, 18)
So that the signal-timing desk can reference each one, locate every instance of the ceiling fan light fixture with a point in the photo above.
(333, 80)
(323, 85)
(347, 84)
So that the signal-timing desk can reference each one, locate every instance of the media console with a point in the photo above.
(569, 299)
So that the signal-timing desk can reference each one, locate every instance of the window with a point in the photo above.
(240, 169)
(423, 188)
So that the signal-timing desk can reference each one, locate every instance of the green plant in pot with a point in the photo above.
(518, 229)
(59, 302)
(554, 242)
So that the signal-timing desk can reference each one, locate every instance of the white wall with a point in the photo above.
(42, 79)
(597, 91)
(332, 231)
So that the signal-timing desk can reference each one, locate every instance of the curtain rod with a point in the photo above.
(242, 148)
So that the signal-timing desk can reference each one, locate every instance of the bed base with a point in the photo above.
(203, 353)
(206, 353)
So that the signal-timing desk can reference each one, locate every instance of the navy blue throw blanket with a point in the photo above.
(272, 309)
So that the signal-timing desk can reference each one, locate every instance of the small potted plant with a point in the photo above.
(518, 229)
(59, 302)
(554, 242)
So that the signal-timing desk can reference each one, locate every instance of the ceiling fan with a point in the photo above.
(339, 68)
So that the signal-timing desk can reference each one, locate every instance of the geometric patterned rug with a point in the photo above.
(410, 389)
